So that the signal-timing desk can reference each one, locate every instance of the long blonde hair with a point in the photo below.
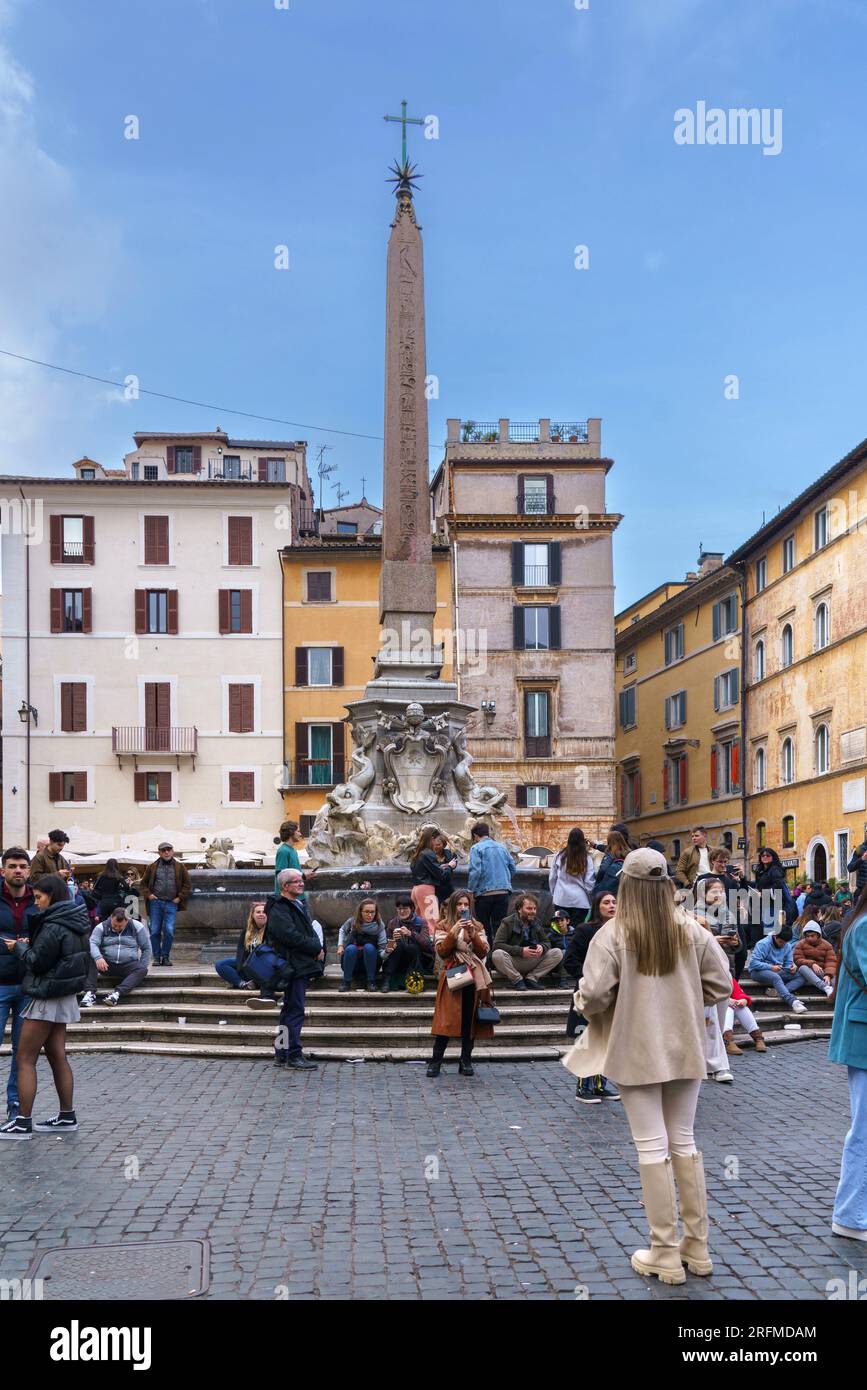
(655, 929)
(254, 935)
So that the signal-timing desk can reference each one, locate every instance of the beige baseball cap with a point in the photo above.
(644, 863)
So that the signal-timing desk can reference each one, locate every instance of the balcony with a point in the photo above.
(535, 577)
(318, 773)
(536, 504)
(139, 740)
(72, 553)
(225, 470)
(308, 521)
(544, 431)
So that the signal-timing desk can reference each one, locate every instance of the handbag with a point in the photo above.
(488, 1013)
(264, 965)
(459, 976)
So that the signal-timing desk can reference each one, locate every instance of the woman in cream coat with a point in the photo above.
(648, 975)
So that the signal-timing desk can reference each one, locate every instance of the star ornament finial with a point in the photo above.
(404, 177)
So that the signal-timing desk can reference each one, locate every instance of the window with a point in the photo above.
(242, 705)
(319, 586)
(537, 796)
(823, 749)
(820, 528)
(630, 662)
(535, 564)
(761, 574)
(760, 771)
(318, 665)
(235, 610)
(675, 781)
(761, 834)
(67, 786)
(675, 710)
(71, 539)
(274, 470)
(725, 768)
(240, 540)
(87, 475)
(156, 540)
(133, 472)
(319, 771)
(822, 627)
(184, 459)
(537, 629)
(71, 610)
(537, 724)
(628, 718)
(759, 660)
(156, 611)
(73, 707)
(242, 786)
(151, 472)
(152, 786)
(787, 762)
(347, 528)
(675, 849)
(231, 466)
(630, 793)
(842, 853)
(788, 554)
(674, 644)
(725, 617)
(533, 497)
(725, 689)
(788, 832)
(787, 646)
(306, 823)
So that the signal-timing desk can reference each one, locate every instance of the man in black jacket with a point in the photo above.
(858, 865)
(291, 935)
(16, 908)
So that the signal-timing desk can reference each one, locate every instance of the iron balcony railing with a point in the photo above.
(569, 432)
(524, 432)
(535, 576)
(536, 504)
(229, 471)
(73, 550)
(145, 738)
(308, 521)
(314, 772)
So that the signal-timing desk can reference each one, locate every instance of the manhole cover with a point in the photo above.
(150, 1269)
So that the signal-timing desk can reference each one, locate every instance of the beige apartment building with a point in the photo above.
(522, 507)
(143, 643)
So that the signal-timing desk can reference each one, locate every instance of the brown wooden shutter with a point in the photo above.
(300, 665)
(549, 493)
(87, 610)
(302, 751)
(56, 534)
(197, 458)
(520, 796)
(246, 610)
(319, 586)
(263, 470)
(170, 468)
(87, 552)
(156, 540)
(235, 709)
(336, 665)
(55, 786)
(141, 610)
(140, 786)
(164, 786)
(234, 786)
(240, 540)
(56, 610)
(79, 707)
(172, 611)
(241, 709)
(338, 753)
(225, 610)
(554, 795)
(241, 786)
(79, 786)
(683, 782)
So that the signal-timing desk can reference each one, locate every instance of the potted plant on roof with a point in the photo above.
(555, 435)
(469, 430)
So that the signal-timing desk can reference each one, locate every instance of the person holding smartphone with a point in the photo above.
(460, 940)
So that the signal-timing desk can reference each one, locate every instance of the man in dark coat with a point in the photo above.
(858, 866)
(291, 935)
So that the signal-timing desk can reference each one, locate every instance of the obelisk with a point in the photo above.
(408, 583)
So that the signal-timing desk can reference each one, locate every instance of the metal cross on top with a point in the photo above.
(404, 120)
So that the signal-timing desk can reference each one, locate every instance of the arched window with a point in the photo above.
(823, 749)
(788, 832)
(787, 766)
(760, 771)
(759, 660)
(761, 834)
(787, 646)
(822, 627)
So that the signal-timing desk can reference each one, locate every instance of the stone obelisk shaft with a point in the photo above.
(408, 583)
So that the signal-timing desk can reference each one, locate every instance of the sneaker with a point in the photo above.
(344, 988)
(534, 984)
(16, 1129)
(829, 990)
(587, 1094)
(849, 1232)
(88, 1000)
(301, 1064)
(384, 987)
(262, 1001)
(56, 1125)
(113, 998)
(721, 1076)
(608, 1090)
(166, 961)
(797, 1007)
(519, 984)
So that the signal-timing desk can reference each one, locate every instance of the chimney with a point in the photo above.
(708, 561)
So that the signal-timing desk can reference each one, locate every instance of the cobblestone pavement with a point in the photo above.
(324, 1184)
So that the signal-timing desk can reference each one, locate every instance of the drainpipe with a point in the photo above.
(456, 634)
(26, 666)
(283, 675)
(745, 647)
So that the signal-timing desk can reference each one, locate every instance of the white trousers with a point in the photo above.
(661, 1118)
(745, 1017)
(714, 1017)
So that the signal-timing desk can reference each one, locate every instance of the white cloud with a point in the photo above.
(58, 260)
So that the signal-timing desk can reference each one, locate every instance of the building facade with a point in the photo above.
(679, 750)
(143, 645)
(522, 509)
(331, 637)
(805, 654)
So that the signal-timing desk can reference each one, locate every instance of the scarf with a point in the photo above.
(467, 956)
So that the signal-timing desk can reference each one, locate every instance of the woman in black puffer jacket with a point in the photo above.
(55, 961)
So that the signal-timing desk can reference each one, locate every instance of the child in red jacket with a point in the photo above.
(739, 1008)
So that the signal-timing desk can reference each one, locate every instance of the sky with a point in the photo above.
(718, 328)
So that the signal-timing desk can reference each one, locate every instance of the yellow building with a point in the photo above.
(679, 711)
(330, 638)
(806, 648)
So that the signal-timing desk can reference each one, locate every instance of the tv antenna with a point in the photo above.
(324, 470)
(341, 493)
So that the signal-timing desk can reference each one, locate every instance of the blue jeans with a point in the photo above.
(783, 982)
(162, 919)
(288, 1042)
(850, 1205)
(12, 1001)
(227, 970)
(370, 957)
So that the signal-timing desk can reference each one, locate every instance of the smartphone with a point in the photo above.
(464, 913)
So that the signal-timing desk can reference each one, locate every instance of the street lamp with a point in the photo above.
(25, 711)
